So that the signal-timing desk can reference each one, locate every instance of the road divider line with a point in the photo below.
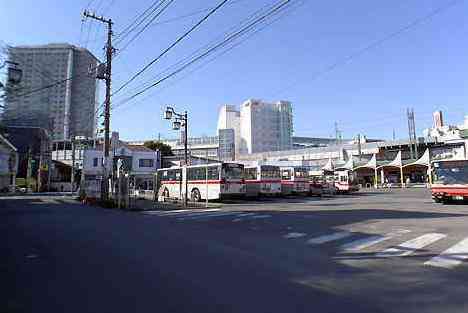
(451, 257)
(412, 245)
(328, 238)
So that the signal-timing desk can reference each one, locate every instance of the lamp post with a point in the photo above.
(180, 120)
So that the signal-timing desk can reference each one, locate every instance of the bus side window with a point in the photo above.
(213, 173)
(286, 174)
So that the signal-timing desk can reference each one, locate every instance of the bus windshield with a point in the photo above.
(448, 173)
(232, 171)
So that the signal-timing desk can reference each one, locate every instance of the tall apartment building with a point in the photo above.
(265, 126)
(65, 110)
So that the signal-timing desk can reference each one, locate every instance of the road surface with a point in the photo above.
(388, 251)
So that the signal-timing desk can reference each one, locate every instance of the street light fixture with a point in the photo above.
(179, 120)
(168, 113)
(14, 73)
(176, 125)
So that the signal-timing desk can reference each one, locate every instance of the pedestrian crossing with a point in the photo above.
(208, 214)
(349, 245)
(454, 256)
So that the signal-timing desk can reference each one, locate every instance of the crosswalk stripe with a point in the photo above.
(451, 257)
(328, 238)
(364, 243)
(167, 213)
(294, 235)
(202, 216)
(245, 214)
(412, 245)
(259, 216)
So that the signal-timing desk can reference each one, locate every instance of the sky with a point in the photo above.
(358, 63)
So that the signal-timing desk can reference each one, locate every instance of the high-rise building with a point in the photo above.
(229, 118)
(67, 109)
(265, 126)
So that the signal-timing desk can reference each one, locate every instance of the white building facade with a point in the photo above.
(138, 161)
(265, 126)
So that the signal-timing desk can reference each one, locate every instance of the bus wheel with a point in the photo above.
(195, 195)
(445, 200)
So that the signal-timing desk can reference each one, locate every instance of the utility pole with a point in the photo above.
(107, 76)
(72, 178)
(412, 134)
(359, 146)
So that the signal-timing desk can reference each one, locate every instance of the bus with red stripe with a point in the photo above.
(214, 181)
(450, 180)
(294, 180)
(345, 181)
(262, 180)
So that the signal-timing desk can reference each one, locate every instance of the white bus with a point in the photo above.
(262, 180)
(213, 181)
(345, 181)
(294, 180)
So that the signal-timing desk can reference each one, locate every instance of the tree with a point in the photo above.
(158, 145)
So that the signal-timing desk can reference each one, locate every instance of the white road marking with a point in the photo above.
(328, 238)
(254, 217)
(412, 245)
(245, 214)
(294, 235)
(203, 216)
(364, 243)
(451, 257)
(166, 213)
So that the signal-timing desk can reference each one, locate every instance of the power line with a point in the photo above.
(278, 7)
(190, 14)
(146, 26)
(172, 45)
(221, 37)
(133, 25)
(217, 56)
(377, 43)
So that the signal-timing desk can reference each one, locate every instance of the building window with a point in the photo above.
(146, 162)
(95, 162)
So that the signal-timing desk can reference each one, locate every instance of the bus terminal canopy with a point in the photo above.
(424, 160)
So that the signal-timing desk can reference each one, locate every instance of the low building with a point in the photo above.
(8, 165)
(34, 158)
(139, 162)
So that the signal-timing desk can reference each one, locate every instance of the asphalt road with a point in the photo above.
(389, 251)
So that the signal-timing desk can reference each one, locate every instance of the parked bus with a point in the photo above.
(213, 181)
(262, 180)
(316, 183)
(294, 180)
(345, 181)
(450, 180)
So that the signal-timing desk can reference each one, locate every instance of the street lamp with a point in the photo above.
(168, 113)
(14, 73)
(179, 120)
(176, 125)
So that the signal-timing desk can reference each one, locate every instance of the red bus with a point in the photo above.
(450, 180)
